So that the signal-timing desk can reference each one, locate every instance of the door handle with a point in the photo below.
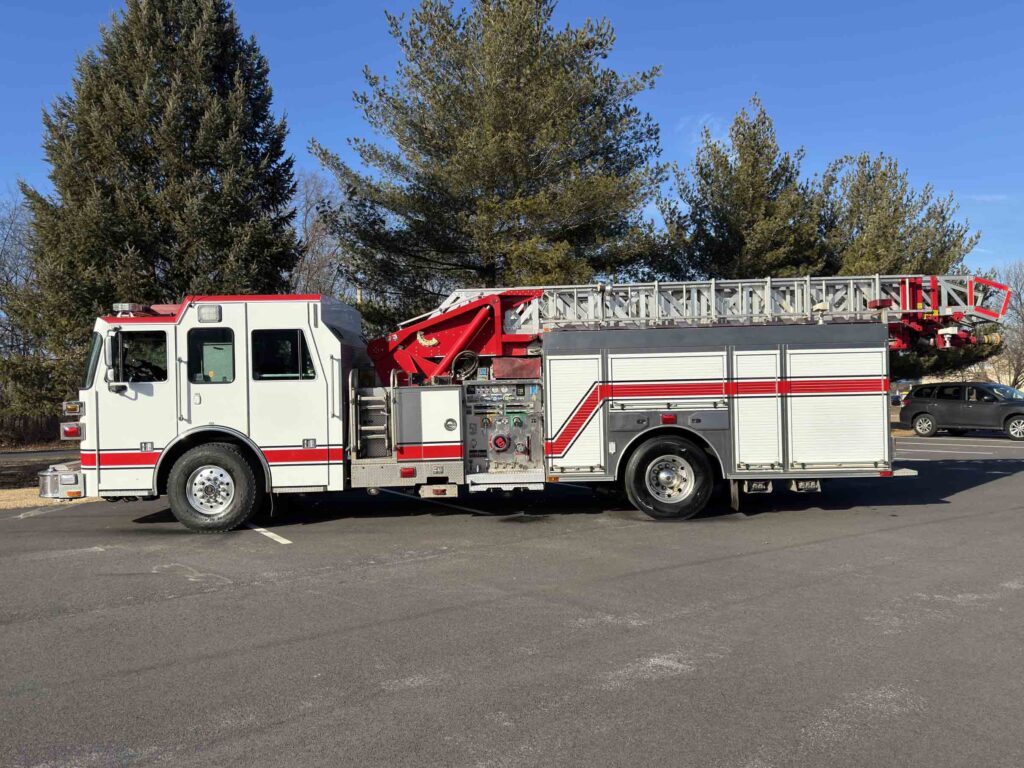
(330, 393)
(184, 388)
(197, 399)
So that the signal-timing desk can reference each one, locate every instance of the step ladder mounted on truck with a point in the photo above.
(661, 390)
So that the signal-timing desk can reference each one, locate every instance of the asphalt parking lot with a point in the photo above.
(880, 623)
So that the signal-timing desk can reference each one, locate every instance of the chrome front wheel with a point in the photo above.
(214, 487)
(210, 489)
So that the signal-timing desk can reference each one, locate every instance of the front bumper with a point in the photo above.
(62, 481)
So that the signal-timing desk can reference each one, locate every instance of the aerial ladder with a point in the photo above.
(939, 311)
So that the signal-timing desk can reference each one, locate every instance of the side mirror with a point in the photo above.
(108, 361)
(987, 399)
(108, 350)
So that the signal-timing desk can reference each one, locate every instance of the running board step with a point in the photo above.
(505, 481)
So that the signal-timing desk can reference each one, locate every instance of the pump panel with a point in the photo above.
(504, 427)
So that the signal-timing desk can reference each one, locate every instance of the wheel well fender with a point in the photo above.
(1012, 416)
(201, 436)
(694, 437)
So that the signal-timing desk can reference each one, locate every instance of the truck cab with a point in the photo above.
(250, 387)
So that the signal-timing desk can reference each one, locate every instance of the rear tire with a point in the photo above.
(1015, 427)
(924, 425)
(669, 478)
(212, 488)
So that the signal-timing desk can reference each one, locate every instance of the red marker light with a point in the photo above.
(407, 472)
(71, 431)
(668, 418)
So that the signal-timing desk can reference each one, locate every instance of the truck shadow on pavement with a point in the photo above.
(936, 483)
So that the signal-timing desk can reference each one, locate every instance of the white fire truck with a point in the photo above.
(665, 389)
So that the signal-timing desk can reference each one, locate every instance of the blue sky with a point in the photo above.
(939, 85)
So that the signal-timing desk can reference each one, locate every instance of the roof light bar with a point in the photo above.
(130, 308)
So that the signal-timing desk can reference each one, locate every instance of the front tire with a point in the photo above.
(669, 478)
(212, 488)
(924, 425)
(1015, 427)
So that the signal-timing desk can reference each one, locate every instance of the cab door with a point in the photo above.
(135, 409)
(211, 364)
(288, 395)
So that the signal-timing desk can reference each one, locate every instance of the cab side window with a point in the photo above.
(923, 392)
(951, 393)
(211, 356)
(281, 355)
(140, 356)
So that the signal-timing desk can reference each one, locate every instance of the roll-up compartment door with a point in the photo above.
(757, 410)
(837, 408)
(575, 414)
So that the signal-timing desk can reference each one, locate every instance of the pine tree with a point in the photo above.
(878, 223)
(169, 176)
(512, 155)
(743, 210)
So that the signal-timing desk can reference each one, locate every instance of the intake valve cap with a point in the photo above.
(500, 442)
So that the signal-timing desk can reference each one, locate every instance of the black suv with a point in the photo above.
(959, 407)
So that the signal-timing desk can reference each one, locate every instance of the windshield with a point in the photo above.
(1007, 393)
(94, 358)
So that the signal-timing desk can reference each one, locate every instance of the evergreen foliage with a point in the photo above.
(878, 223)
(510, 155)
(169, 177)
(743, 209)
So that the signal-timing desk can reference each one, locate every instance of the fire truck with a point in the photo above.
(661, 390)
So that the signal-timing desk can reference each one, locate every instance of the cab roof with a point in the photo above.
(172, 313)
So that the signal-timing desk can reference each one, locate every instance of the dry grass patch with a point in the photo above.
(26, 498)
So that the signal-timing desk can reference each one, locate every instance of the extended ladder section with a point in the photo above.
(933, 310)
(958, 298)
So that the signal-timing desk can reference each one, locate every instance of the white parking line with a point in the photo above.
(1000, 438)
(950, 443)
(36, 512)
(268, 534)
(924, 450)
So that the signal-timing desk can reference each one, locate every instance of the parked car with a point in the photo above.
(958, 406)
